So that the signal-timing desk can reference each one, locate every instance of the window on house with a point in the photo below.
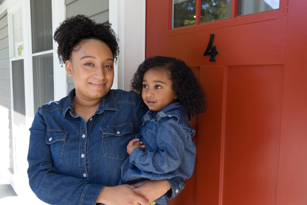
(18, 92)
(42, 49)
(18, 68)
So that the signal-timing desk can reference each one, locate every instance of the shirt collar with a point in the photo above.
(108, 102)
(151, 114)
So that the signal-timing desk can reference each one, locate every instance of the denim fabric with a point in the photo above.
(70, 160)
(169, 149)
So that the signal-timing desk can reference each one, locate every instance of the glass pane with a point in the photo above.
(254, 6)
(183, 13)
(43, 80)
(212, 10)
(18, 92)
(41, 24)
(17, 34)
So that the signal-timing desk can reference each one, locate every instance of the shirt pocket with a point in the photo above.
(56, 141)
(115, 140)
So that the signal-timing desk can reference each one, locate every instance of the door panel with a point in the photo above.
(252, 134)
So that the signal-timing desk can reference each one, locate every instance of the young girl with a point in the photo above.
(164, 148)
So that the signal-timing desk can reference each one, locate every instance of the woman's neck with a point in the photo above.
(85, 108)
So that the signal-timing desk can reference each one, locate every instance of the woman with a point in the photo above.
(78, 144)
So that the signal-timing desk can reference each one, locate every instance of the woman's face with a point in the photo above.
(91, 66)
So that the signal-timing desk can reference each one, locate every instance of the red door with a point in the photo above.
(252, 141)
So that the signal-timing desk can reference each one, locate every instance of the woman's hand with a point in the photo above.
(121, 195)
(151, 190)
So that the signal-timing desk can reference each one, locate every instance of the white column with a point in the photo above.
(59, 73)
(128, 21)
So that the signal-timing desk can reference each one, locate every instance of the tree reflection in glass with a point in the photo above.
(183, 13)
(212, 10)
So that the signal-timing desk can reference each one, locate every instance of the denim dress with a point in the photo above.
(169, 149)
(70, 160)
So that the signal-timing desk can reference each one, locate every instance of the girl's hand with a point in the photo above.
(133, 144)
(151, 190)
(121, 195)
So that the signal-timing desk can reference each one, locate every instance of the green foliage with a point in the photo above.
(211, 10)
(214, 10)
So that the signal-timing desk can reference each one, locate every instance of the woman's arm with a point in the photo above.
(46, 182)
(120, 195)
(53, 187)
(152, 190)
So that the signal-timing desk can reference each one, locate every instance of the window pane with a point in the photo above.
(43, 80)
(17, 33)
(254, 6)
(183, 13)
(41, 23)
(18, 92)
(212, 10)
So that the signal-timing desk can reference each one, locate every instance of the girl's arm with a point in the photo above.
(171, 140)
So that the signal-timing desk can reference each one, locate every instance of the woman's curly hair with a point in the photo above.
(186, 86)
(75, 29)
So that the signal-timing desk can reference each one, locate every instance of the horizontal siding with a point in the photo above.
(3, 32)
(5, 73)
(5, 84)
(3, 22)
(4, 63)
(5, 103)
(4, 53)
(4, 43)
(5, 93)
(88, 8)
(69, 2)
(101, 17)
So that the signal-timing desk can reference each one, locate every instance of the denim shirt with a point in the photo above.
(169, 149)
(70, 160)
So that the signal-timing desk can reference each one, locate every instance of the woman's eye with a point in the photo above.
(108, 66)
(89, 64)
(145, 86)
(158, 87)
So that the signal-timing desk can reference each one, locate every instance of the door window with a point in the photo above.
(196, 12)
(183, 13)
(253, 6)
(215, 10)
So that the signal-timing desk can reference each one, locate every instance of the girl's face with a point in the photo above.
(157, 90)
(91, 67)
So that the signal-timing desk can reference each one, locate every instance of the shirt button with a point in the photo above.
(50, 139)
(177, 191)
(118, 132)
(83, 136)
(82, 155)
(91, 119)
(84, 175)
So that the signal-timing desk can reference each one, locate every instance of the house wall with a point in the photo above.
(6, 146)
(97, 10)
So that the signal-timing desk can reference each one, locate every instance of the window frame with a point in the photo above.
(234, 20)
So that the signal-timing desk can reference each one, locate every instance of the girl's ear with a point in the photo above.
(68, 68)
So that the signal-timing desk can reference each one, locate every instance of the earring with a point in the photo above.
(69, 74)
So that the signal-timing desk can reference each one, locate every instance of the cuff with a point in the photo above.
(135, 156)
(90, 194)
(177, 184)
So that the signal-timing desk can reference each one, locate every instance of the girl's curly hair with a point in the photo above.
(186, 86)
(75, 29)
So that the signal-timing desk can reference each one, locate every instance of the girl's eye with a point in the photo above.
(89, 64)
(145, 86)
(108, 66)
(158, 87)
